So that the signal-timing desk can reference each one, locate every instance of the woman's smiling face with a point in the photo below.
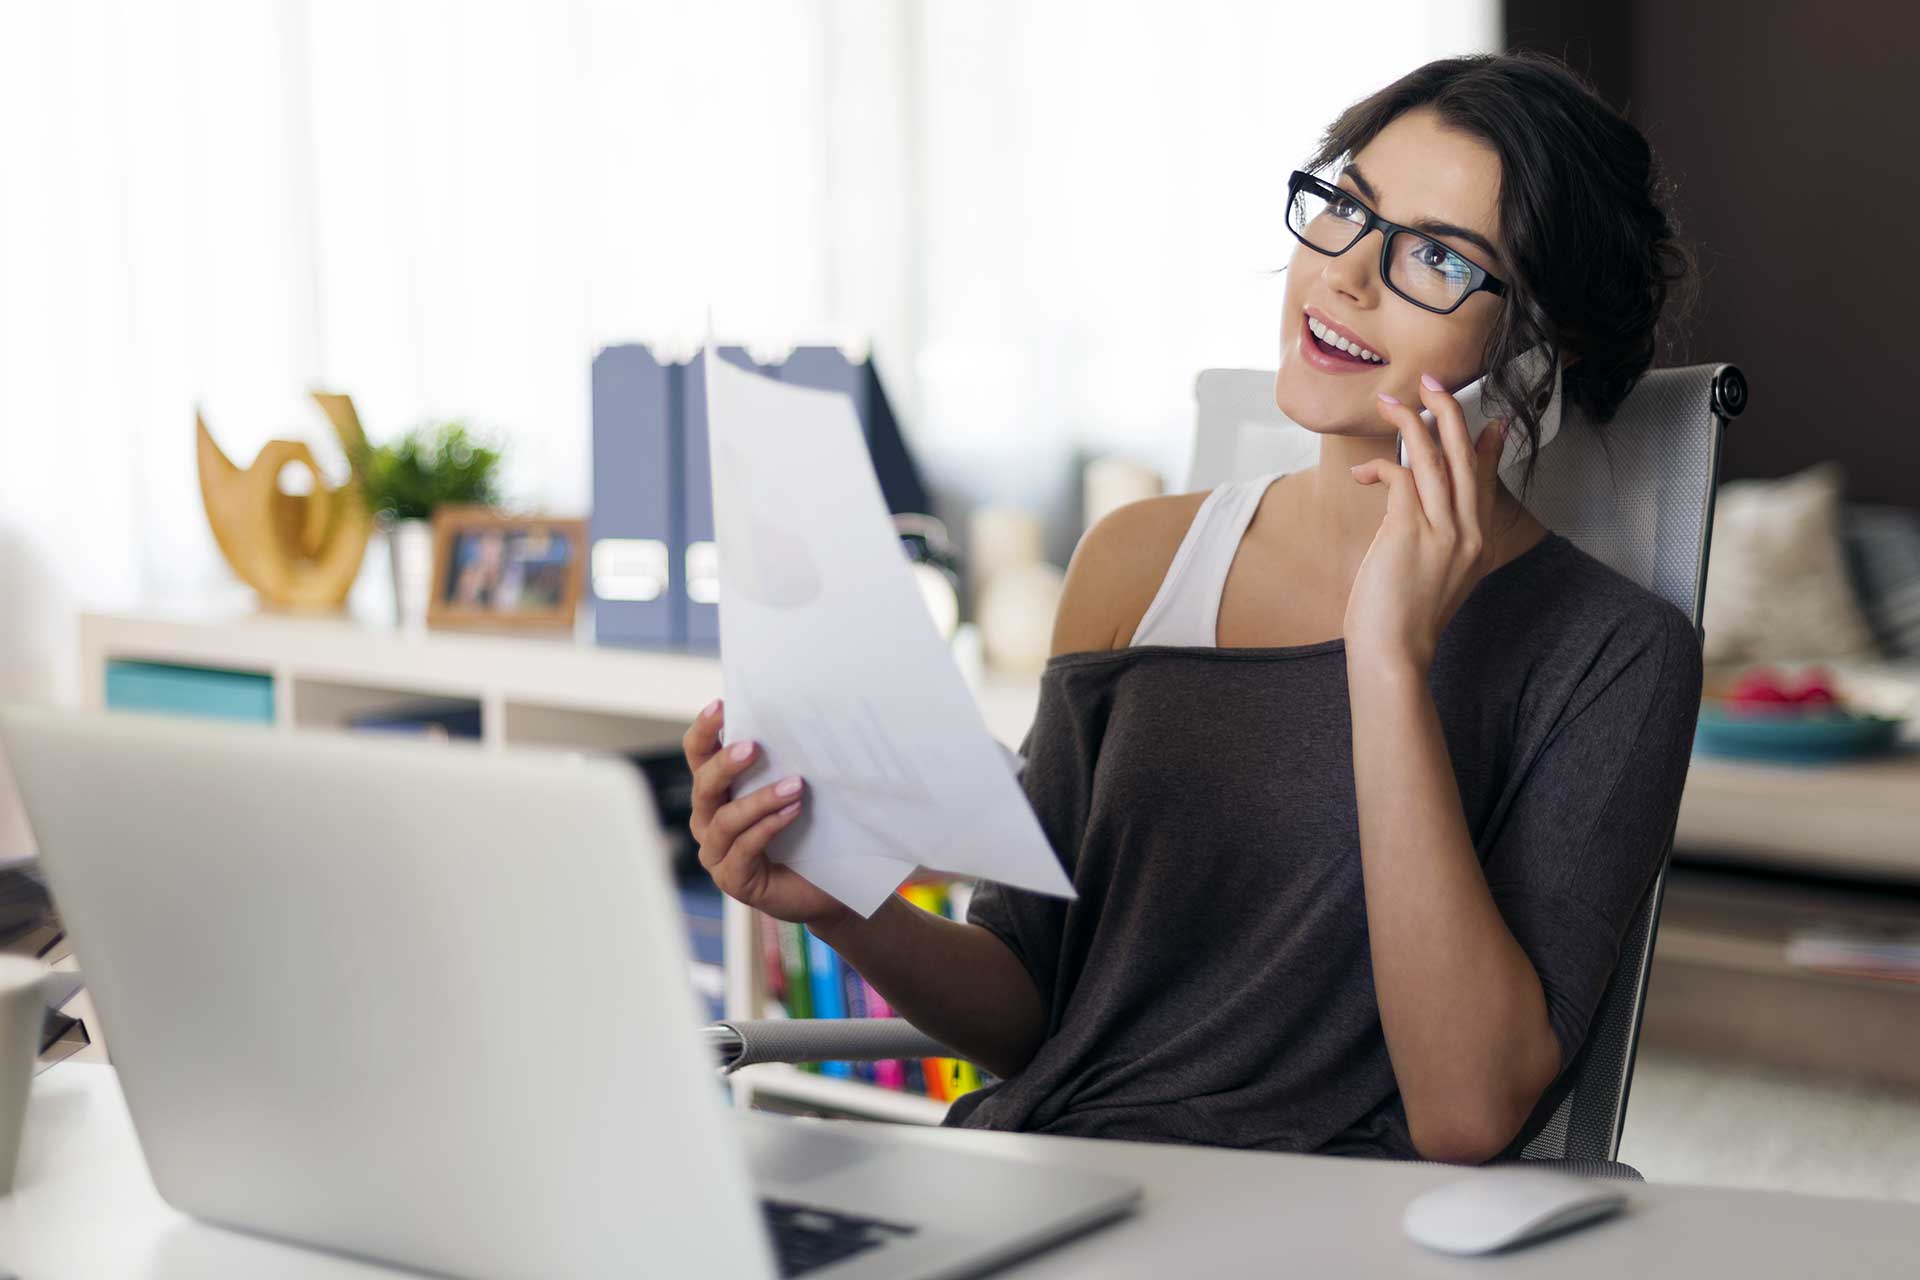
(1418, 172)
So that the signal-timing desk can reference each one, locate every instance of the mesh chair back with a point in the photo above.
(1636, 494)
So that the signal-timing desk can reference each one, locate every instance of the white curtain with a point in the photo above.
(1044, 216)
(442, 208)
(1103, 214)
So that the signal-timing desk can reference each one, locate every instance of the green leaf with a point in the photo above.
(432, 465)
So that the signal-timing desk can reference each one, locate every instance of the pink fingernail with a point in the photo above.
(787, 809)
(787, 786)
(711, 707)
(741, 750)
(1430, 382)
(1389, 399)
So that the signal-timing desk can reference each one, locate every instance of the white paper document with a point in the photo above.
(830, 660)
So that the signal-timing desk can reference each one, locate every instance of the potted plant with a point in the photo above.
(431, 465)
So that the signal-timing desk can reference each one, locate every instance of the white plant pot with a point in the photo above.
(410, 552)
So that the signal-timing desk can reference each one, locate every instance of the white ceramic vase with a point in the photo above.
(410, 553)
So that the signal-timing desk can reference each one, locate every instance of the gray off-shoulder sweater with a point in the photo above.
(1212, 982)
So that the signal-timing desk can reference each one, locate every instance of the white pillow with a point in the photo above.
(1777, 583)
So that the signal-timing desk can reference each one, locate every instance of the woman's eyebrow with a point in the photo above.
(1431, 226)
(1436, 228)
(1360, 181)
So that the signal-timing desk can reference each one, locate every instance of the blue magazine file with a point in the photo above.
(828, 369)
(696, 586)
(635, 481)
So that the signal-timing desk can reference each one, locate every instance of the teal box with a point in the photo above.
(190, 691)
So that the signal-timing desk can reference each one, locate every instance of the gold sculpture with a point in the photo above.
(299, 551)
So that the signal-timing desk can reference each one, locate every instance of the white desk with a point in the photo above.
(83, 1208)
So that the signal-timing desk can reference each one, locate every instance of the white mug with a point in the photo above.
(23, 1012)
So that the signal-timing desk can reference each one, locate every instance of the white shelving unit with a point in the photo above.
(536, 692)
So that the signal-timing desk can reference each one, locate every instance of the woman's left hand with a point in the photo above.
(1432, 546)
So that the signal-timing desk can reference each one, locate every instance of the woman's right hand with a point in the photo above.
(734, 831)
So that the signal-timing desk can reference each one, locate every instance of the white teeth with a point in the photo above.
(1333, 339)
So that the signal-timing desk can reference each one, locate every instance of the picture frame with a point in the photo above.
(498, 571)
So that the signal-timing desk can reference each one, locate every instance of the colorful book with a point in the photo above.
(928, 895)
(829, 993)
(773, 967)
(793, 960)
(854, 987)
(963, 1077)
(891, 1074)
(931, 896)
(796, 982)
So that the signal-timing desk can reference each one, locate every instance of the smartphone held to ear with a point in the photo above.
(1479, 413)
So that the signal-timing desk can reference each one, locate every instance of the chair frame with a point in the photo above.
(1727, 392)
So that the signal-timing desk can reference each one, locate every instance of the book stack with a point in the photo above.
(807, 979)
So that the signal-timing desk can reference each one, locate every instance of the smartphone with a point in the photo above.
(1479, 415)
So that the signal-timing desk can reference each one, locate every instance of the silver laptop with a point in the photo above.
(429, 1004)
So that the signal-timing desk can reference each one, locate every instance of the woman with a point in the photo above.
(1359, 771)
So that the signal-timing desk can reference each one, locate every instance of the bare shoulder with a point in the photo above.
(1116, 571)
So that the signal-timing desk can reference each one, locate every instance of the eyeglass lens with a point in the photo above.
(1424, 270)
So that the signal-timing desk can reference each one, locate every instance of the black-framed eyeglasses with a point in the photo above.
(1413, 264)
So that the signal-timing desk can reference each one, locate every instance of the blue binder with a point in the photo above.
(636, 471)
(827, 369)
(900, 481)
(695, 565)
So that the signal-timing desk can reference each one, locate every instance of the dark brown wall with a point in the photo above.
(1793, 133)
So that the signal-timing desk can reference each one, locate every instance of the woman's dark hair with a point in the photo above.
(1592, 253)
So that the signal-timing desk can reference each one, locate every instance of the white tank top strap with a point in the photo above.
(1186, 609)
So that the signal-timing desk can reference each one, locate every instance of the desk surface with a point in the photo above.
(84, 1207)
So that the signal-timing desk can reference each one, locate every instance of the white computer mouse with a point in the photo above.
(1497, 1208)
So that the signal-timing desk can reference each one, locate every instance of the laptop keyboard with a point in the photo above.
(807, 1238)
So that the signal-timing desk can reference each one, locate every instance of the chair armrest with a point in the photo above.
(1580, 1168)
(741, 1042)
(1577, 1166)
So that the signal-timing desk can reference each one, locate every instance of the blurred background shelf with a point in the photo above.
(1854, 819)
(327, 669)
(340, 673)
(1723, 983)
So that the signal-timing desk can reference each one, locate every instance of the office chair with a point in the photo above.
(1637, 494)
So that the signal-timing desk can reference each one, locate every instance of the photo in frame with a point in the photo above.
(496, 570)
